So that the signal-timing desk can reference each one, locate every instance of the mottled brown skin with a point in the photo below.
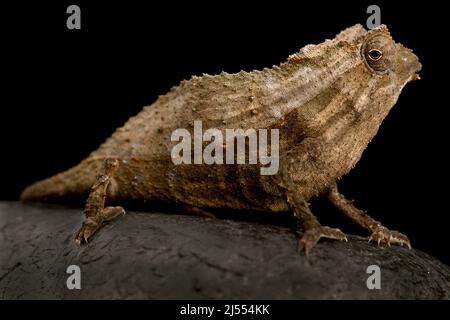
(327, 100)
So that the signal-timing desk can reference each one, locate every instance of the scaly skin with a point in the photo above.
(327, 101)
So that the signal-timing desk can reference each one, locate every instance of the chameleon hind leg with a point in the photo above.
(380, 234)
(95, 212)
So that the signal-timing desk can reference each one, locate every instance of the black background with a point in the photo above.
(64, 92)
(289, 309)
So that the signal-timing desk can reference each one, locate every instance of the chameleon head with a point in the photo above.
(383, 56)
(370, 71)
(382, 69)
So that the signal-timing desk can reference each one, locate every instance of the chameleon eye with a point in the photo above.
(374, 54)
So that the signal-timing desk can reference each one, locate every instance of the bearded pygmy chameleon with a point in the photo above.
(327, 101)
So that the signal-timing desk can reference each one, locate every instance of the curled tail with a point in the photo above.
(74, 183)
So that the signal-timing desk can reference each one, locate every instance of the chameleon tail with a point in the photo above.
(74, 183)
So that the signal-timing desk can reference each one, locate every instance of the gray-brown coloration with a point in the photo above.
(327, 101)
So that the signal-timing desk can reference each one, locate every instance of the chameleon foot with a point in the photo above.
(95, 211)
(382, 234)
(379, 233)
(312, 236)
(92, 224)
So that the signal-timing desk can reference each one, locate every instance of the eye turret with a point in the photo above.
(376, 52)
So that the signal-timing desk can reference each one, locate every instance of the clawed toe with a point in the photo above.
(92, 224)
(313, 235)
(384, 235)
(87, 230)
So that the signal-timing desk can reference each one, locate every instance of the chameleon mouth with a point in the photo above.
(416, 75)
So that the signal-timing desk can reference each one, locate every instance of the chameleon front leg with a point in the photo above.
(379, 232)
(95, 211)
(313, 230)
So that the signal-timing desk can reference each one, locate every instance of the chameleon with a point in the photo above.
(327, 100)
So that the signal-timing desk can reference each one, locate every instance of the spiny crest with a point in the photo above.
(349, 36)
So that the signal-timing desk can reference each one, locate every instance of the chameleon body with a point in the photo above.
(327, 101)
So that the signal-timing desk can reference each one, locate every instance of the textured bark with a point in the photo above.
(154, 255)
